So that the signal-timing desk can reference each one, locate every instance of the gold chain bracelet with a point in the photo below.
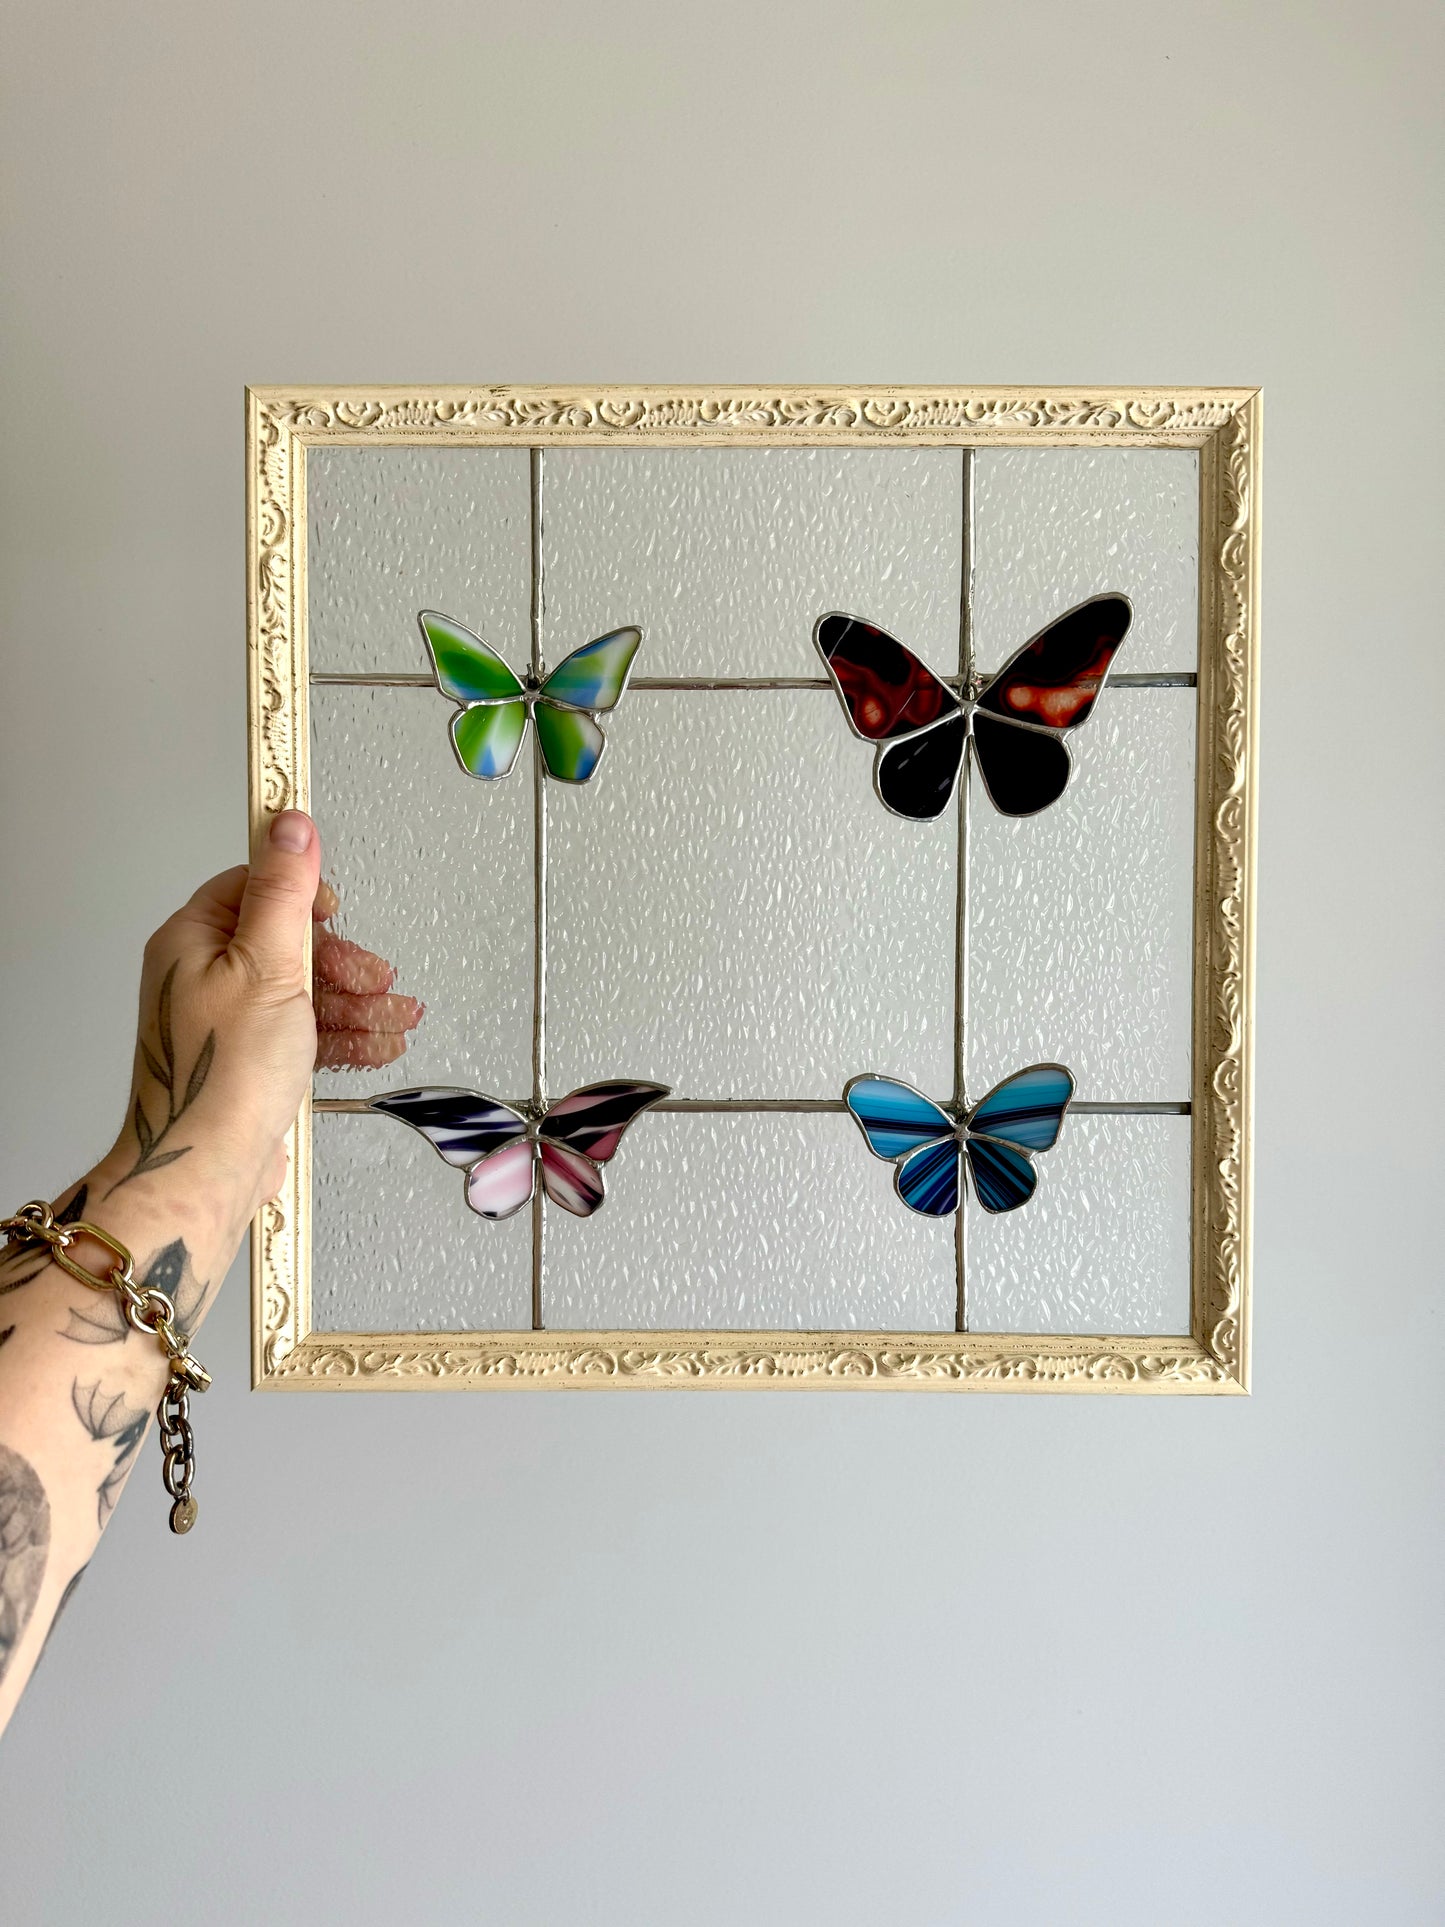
(145, 1310)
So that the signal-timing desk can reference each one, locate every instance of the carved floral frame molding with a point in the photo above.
(1224, 425)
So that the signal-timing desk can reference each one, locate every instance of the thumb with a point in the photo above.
(275, 912)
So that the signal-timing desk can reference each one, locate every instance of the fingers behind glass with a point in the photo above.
(346, 966)
(341, 1010)
(360, 1023)
(340, 1050)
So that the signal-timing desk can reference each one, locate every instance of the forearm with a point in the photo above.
(79, 1387)
(224, 1052)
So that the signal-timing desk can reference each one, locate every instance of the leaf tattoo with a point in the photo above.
(162, 1070)
(200, 1071)
(108, 1416)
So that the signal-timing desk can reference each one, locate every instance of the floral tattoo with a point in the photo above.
(163, 1069)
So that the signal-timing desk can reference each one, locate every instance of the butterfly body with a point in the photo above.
(1013, 724)
(505, 1149)
(496, 704)
(931, 1145)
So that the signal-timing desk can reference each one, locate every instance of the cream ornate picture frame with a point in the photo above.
(1223, 426)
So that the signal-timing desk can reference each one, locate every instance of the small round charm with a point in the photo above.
(183, 1514)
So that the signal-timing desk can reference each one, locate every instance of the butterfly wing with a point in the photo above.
(1026, 1109)
(894, 1118)
(1051, 684)
(929, 1181)
(487, 736)
(883, 687)
(1003, 1178)
(1055, 679)
(590, 1121)
(594, 676)
(466, 668)
(571, 742)
(915, 778)
(1024, 1113)
(502, 1182)
(571, 1180)
(460, 1126)
(1023, 770)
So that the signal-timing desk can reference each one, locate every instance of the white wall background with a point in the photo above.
(714, 1659)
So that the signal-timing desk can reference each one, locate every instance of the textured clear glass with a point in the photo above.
(1103, 1244)
(1081, 918)
(726, 557)
(434, 872)
(395, 530)
(1053, 526)
(756, 1221)
(394, 1246)
(733, 912)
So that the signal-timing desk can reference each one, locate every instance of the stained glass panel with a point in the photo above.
(732, 913)
(1053, 526)
(394, 1247)
(395, 530)
(731, 908)
(728, 556)
(748, 1222)
(434, 873)
(1081, 918)
(1103, 1244)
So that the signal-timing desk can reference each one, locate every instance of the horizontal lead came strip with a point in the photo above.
(418, 679)
(797, 1105)
(1154, 679)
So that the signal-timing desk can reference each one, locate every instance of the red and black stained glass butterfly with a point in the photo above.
(1016, 723)
(502, 1149)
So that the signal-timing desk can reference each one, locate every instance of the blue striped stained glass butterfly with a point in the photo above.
(1014, 726)
(502, 1149)
(929, 1146)
(487, 730)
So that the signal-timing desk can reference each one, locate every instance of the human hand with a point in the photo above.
(223, 1057)
(360, 1023)
(227, 1038)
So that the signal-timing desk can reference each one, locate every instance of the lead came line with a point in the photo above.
(539, 885)
(1079, 1107)
(418, 679)
(960, 965)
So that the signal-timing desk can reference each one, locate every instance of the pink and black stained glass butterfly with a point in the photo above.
(500, 1148)
(1016, 723)
(929, 1146)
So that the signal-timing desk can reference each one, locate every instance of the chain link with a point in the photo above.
(145, 1310)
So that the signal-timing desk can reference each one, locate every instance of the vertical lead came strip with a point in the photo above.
(960, 965)
(539, 885)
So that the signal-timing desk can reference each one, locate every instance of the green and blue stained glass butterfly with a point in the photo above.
(930, 1146)
(504, 1149)
(487, 730)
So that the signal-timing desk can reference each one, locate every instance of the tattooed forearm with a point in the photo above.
(24, 1547)
(107, 1415)
(150, 1137)
(100, 1320)
(22, 1262)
